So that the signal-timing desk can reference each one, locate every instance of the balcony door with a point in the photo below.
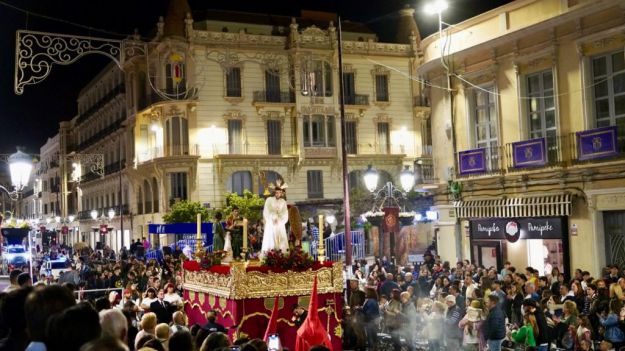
(542, 111)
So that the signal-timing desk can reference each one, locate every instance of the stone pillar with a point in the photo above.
(449, 244)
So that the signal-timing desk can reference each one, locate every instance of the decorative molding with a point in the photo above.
(383, 118)
(318, 109)
(234, 114)
(375, 48)
(237, 39)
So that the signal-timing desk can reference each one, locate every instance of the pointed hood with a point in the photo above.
(272, 327)
(312, 332)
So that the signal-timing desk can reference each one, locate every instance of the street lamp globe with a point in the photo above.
(48, 220)
(71, 218)
(111, 213)
(94, 214)
(407, 179)
(371, 177)
(20, 166)
(57, 219)
(436, 7)
(330, 219)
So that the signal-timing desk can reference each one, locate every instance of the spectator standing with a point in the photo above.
(471, 325)
(453, 333)
(495, 325)
(40, 306)
(161, 308)
(371, 315)
(525, 334)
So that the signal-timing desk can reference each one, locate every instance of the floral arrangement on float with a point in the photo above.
(294, 260)
(375, 218)
(407, 218)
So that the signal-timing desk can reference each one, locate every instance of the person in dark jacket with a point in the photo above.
(495, 325)
(453, 333)
(542, 339)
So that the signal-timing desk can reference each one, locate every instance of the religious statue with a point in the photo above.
(234, 226)
(275, 214)
(219, 234)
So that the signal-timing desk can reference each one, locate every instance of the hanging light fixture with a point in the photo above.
(20, 165)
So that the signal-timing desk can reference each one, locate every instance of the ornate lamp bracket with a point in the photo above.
(37, 52)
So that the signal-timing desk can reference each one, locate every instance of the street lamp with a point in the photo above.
(20, 166)
(436, 7)
(71, 218)
(111, 214)
(407, 179)
(94, 214)
(371, 178)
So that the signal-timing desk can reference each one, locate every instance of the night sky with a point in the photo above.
(28, 120)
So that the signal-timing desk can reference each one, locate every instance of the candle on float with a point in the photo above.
(245, 235)
(320, 229)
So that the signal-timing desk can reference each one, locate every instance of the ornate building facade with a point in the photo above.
(531, 135)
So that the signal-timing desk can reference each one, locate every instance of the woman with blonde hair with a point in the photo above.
(148, 326)
(616, 292)
(527, 333)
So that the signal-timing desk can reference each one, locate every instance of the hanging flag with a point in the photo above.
(312, 332)
(272, 327)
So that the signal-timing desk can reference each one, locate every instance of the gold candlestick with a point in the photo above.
(244, 250)
(321, 252)
(198, 244)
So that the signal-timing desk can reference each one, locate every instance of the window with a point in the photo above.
(485, 120)
(235, 138)
(147, 196)
(349, 88)
(384, 145)
(175, 76)
(272, 85)
(240, 181)
(351, 140)
(233, 82)
(317, 81)
(315, 184)
(542, 111)
(140, 201)
(176, 136)
(381, 87)
(274, 137)
(178, 186)
(319, 131)
(45, 208)
(608, 73)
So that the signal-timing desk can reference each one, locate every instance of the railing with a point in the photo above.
(101, 134)
(119, 89)
(492, 160)
(29, 192)
(424, 169)
(357, 99)
(284, 97)
(335, 245)
(167, 151)
(241, 148)
(421, 101)
(554, 154)
(86, 214)
(381, 149)
(114, 167)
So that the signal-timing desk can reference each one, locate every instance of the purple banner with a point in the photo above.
(529, 153)
(596, 143)
(472, 161)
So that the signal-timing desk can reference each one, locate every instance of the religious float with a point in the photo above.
(243, 294)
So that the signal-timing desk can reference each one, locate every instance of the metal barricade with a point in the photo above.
(335, 245)
(81, 293)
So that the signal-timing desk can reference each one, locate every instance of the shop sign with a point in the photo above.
(513, 229)
(529, 153)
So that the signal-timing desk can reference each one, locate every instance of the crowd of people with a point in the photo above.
(109, 301)
(438, 306)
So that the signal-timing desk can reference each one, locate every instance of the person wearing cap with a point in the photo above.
(495, 325)
(453, 334)
(275, 214)
(13, 281)
(172, 296)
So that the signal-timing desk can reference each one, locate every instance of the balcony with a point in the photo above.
(119, 89)
(101, 135)
(424, 171)
(597, 145)
(242, 149)
(274, 97)
(536, 153)
(377, 149)
(150, 154)
(479, 162)
(86, 214)
(114, 167)
(357, 100)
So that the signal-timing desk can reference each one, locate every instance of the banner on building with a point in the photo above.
(391, 220)
(472, 161)
(597, 143)
(529, 153)
(179, 228)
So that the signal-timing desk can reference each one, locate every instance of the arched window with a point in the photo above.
(176, 136)
(317, 79)
(265, 179)
(239, 181)
(175, 83)
(147, 203)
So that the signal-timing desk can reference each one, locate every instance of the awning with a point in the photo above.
(530, 206)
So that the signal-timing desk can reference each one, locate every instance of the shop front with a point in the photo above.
(541, 243)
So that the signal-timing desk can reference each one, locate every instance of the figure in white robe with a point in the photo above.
(275, 214)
